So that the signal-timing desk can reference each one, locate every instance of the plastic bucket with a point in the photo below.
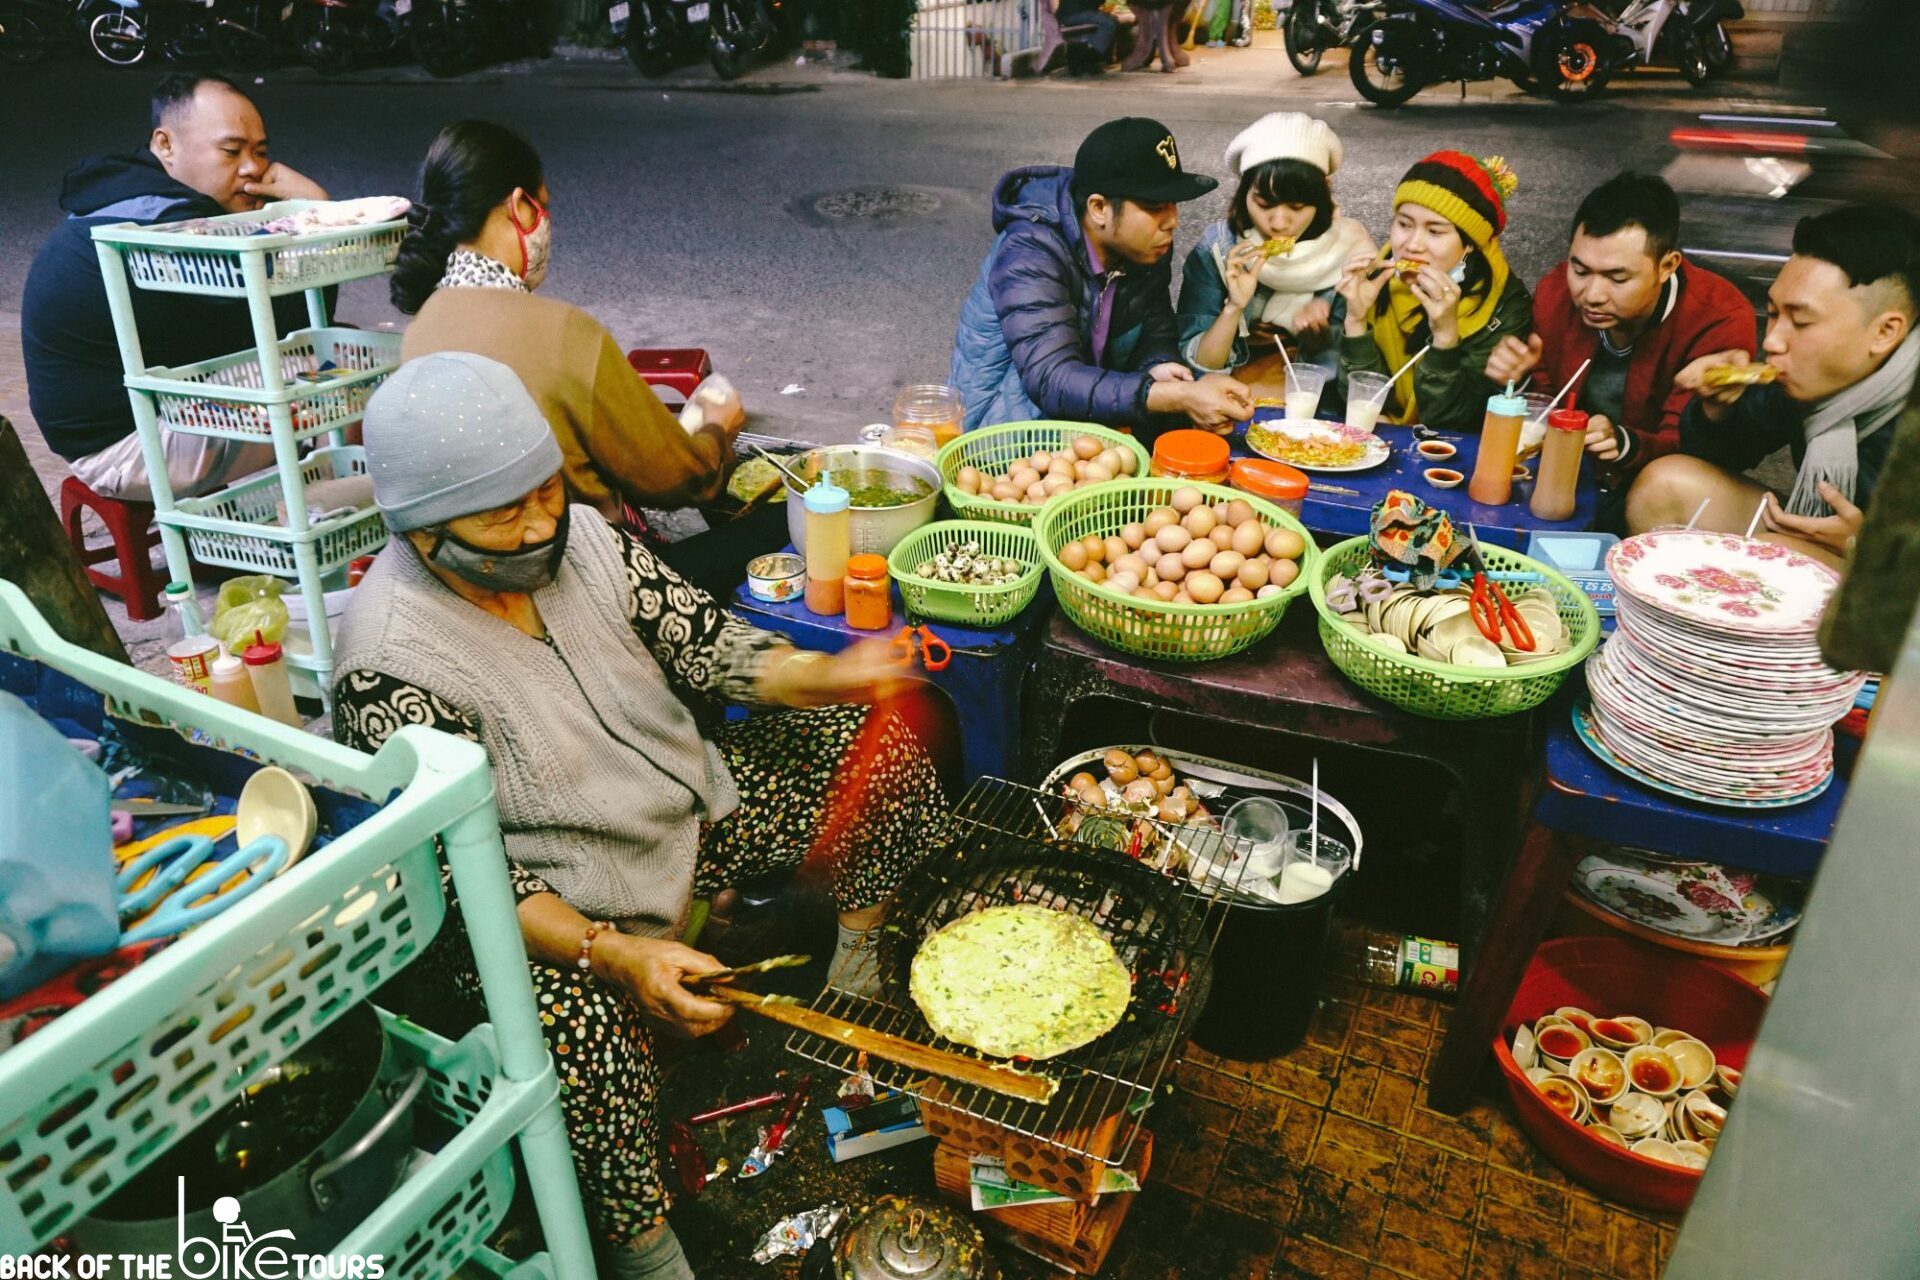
(1266, 976)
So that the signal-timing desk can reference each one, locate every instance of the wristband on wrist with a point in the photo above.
(584, 961)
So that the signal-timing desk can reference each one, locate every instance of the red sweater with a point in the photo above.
(1710, 315)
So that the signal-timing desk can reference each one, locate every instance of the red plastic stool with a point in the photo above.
(132, 538)
(677, 368)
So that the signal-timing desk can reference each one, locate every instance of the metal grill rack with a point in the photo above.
(1161, 912)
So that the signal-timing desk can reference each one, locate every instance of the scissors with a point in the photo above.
(1492, 611)
(156, 910)
(933, 650)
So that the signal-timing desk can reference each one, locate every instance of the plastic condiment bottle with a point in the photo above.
(1555, 490)
(272, 688)
(1492, 483)
(231, 683)
(829, 525)
(869, 593)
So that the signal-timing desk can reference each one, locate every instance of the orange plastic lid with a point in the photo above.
(1191, 452)
(1269, 479)
(866, 566)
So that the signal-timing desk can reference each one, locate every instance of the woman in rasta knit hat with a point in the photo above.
(1441, 281)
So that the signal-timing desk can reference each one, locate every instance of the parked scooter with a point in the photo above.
(1692, 34)
(231, 33)
(1311, 27)
(451, 36)
(23, 37)
(340, 35)
(740, 31)
(1567, 52)
(661, 34)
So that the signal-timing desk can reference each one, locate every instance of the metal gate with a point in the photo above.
(972, 39)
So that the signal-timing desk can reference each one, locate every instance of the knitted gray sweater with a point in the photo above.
(601, 773)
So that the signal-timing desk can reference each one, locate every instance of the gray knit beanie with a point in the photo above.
(452, 434)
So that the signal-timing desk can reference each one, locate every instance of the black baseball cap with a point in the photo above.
(1134, 158)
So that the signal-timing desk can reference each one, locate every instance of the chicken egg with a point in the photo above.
(1172, 538)
(1097, 471)
(1236, 594)
(1134, 535)
(1239, 511)
(1285, 544)
(1096, 547)
(1268, 592)
(1037, 492)
(1204, 587)
(1170, 568)
(1003, 491)
(1222, 536)
(1199, 522)
(1024, 478)
(1123, 581)
(968, 478)
(1074, 556)
(1086, 448)
(1129, 461)
(1040, 461)
(1283, 573)
(1080, 471)
(1186, 498)
(1144, 593)
(1249, 537)
(1097, 571)
(1110, 459)
(1165, 591)
(1254, 574)
(1131, 563)
(1226, 565)
(1114, 549)
(1196, 554)
(1056, 484)
(1159, 518)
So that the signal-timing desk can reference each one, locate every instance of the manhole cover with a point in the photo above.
(876, 203)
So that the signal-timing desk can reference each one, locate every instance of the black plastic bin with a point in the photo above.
(1266, 976)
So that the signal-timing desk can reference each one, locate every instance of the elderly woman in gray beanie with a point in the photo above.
(499, 613)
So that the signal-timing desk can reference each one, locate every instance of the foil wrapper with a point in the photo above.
(792, 1237)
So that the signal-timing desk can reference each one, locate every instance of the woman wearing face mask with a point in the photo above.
(1237, 299)
(478, 246)
(501, 614)
(1441, 281)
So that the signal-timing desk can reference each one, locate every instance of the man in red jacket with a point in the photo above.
(1627, 300)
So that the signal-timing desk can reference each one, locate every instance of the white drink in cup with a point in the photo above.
(1304, 385)
(1366, 397)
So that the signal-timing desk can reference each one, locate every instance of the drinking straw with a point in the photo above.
(1313, 829)
(1699, 511)
(1280, 342)
(1757, 513)
(1416, 360)
(1563, 391)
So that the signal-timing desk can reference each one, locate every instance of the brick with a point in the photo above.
(1422, 1222)
(1526, 1193)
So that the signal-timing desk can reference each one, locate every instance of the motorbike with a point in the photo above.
(1311, 27)
(1691, 33)
(340, 35)
(231, 33)
(660, 34)
(23, 37)
(451, 36)
(1567, 52)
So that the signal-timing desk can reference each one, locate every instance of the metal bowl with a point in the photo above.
(876, 530)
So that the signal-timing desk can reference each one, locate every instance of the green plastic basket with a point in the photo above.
(1440, 690)
(978, 606)
(1150, 628)
(995, 449)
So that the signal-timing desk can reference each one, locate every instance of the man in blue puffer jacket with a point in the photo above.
(1072, 316)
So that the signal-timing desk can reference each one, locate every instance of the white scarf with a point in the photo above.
(1293, 278)
(1833, 454)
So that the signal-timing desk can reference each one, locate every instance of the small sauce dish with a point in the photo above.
(1443, 477)
(1436, 450)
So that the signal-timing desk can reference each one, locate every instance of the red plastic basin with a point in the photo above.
(1608, 976)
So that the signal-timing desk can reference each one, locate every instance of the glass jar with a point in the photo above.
(869, 593)
(932, 405)
(1278, 483)
(1190, 454)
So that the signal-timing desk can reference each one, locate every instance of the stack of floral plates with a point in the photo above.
(1712, 687)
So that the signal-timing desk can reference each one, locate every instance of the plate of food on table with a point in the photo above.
(1317, 445)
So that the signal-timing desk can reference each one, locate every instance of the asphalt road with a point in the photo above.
(687, 216)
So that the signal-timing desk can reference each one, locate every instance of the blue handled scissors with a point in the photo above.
(166, 905)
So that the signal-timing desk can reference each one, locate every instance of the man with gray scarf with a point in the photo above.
(1843, 353)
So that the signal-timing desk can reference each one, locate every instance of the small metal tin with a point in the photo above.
(777, 576)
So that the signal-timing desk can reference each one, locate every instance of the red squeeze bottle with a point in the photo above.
(1555, 489)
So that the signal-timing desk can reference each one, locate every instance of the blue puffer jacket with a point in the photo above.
(1025, 345)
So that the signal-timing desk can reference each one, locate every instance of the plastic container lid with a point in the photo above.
(1506, 406)
(826, 499)
(1191, 452)
(1267, 479)
(226, 664)
(1568, 419)
(866, 566)
(177, 591)
(261, 653)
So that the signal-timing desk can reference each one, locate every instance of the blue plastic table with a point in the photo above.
(1585, 803)
(983, 681)
(1347, 515)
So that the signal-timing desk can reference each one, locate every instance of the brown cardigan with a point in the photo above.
(619, 440)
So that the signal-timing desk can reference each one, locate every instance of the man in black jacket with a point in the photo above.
(207, 156)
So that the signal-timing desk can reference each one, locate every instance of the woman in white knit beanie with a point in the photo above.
(1267, 270)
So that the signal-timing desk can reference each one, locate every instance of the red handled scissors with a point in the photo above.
(1492, 612)
(933, 651)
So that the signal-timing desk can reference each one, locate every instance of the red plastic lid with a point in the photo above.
(261, 652)
(1568, 419)
(1268, 479)
(1190, 451)
(866, 566)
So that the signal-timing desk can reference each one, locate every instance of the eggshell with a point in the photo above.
(1236, 594)
(1283, 573)
(1159, 518)
(1074, 556)
(1040, 461)
(1268, 592)
(1037, 492)
(1249, 537)
(1197, 554)
(1096, 547)
(1221, 537)
(1170, 568)
(1096, 473)
(1004, 491)
(1110, 459)
(1129, 461)
(1199, 522)
(1165, 591)
(1024, 477)
(1124, 581)
(1172, 538)
(1204, 587)
(1087, 447)
(1254, 574)
(968, 478)
(1134, 535)
(1186, 498)
(1239, 511)
(1285, 544)
(1226, 565)
(1114, 549)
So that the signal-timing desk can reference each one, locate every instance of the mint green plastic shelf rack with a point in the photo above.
(98, 1094)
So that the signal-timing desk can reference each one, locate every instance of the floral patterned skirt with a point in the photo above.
(835, 787)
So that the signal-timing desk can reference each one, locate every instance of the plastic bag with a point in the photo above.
(248, 605)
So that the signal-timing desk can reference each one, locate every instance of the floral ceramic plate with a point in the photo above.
(1738, 586)
(1319, 446)
(1700, 901)
(1584, 729)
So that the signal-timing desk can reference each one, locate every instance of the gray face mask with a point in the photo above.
(522, 571)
